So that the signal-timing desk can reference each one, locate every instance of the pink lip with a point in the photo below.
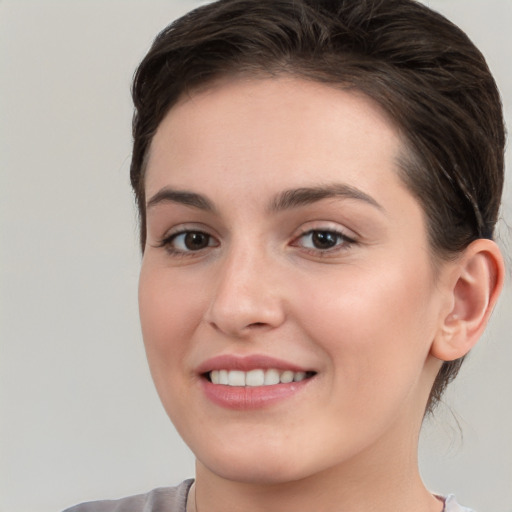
(249, 398)
(246, 364)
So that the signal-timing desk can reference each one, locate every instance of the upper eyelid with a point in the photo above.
(330, 226)
(344, 242)
(172, 233)
(340, 233)
(175, 234)
(188, 227)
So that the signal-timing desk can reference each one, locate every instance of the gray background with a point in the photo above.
(79, 418)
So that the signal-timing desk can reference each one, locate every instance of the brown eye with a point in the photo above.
(195, 241)
(324, 239)
(321, 240)
(189, 241)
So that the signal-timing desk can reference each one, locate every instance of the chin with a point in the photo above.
(256, 464)
(256, 472)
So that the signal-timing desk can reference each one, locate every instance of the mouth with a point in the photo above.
(252, 382)
(258, 377)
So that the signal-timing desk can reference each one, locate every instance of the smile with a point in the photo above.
(252, 382)
(257, 377)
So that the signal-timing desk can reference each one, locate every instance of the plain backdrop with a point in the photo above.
(79, 418)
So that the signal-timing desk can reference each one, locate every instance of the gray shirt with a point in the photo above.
(174, 499)
(163, 499)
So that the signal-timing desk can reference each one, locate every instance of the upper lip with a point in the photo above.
(247, 363)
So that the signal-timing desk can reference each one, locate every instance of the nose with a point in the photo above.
(248, 297)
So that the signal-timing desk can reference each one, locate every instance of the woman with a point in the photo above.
(318, 185)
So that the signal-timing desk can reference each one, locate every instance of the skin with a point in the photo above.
(364, 314)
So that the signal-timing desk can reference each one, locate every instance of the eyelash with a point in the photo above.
(168, 241)
(342, 242)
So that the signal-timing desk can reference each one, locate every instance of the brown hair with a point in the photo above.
(419, 67)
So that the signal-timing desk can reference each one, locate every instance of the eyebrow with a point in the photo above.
(169, 195)
(286, 200)
(303, 196)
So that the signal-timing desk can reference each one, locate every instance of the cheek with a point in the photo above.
(372, 322)
(169, 312)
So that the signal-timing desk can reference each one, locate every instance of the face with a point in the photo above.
(287, 295)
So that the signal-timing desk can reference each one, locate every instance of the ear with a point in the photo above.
(474, 284)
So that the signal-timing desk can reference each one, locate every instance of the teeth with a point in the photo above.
(287, 377)
(271, 377)
(298, 376)
(255, 378)
(223, 377)
(236, 378)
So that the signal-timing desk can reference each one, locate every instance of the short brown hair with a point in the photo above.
(420, 68)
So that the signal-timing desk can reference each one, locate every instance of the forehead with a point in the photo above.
(281, 129)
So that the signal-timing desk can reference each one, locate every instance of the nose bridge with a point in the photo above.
(246, 296)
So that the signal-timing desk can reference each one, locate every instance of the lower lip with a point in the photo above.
(248, 397)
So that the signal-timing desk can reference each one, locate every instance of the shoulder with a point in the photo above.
(163, 499)
(451, 505)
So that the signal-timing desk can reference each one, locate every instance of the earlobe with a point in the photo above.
(476, 282)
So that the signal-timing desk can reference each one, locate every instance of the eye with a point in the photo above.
(323, 240)
(188, 241)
